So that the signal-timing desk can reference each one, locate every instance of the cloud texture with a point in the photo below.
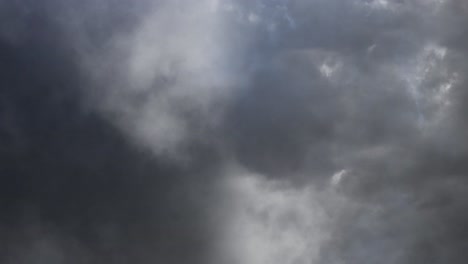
(237, 132)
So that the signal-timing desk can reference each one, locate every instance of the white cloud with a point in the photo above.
(273, 223)
(174, 64)
(338, 177)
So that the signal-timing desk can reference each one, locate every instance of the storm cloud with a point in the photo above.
(253, 132)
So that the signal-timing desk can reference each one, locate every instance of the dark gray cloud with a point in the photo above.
(267, 131)
(73, 188)
(374, 89)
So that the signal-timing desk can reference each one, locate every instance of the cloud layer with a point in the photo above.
(267, 131)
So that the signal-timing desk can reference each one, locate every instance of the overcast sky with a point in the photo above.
(233, 131)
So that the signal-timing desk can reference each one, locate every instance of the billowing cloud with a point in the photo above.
(266, 131)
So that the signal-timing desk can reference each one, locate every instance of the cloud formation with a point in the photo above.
(267, 131)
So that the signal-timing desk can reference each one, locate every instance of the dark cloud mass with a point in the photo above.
(73, 190)
(253, 132)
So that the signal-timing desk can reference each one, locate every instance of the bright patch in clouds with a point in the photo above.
(271, 223)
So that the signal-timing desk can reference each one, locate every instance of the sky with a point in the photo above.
(233, 131)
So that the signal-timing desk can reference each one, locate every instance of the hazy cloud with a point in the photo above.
(267, 131)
